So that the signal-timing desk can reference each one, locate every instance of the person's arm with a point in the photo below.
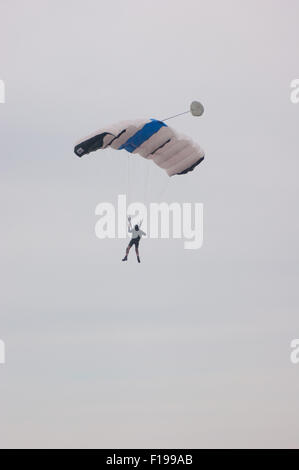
(129, 225)
(142, 232)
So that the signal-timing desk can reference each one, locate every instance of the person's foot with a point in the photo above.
(138, 259)
(125, 258)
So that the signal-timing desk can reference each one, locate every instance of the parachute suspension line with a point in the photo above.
(175, 115)
(128, 182)
(146, 184)
(163, 190)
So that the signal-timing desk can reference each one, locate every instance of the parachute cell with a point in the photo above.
(152, 139)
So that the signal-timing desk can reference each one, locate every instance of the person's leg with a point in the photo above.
(137, 253)
(127, 252)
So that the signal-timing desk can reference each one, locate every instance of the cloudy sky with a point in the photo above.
(191, 348)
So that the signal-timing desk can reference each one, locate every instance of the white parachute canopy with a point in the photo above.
(151, 139)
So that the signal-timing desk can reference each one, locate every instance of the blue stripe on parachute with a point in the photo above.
(142, 135)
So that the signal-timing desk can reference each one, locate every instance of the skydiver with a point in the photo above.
(136, 237)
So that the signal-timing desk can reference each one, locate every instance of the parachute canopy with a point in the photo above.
(152, 139)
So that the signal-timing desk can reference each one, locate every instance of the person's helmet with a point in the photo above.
(136, 227)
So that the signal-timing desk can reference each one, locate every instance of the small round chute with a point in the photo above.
(196, 108)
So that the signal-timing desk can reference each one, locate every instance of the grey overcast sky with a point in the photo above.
(189, 348)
